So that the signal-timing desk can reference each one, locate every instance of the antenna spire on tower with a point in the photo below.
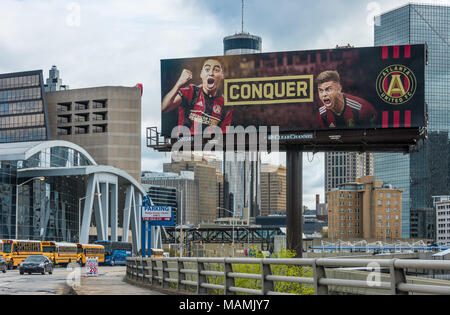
(242, 16)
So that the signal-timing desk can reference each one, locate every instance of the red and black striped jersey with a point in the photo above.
(199, 110)
(357, 113)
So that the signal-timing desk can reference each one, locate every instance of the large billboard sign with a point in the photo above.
(339, 91)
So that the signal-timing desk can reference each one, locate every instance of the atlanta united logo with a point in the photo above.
(217, 109)
(396, 84)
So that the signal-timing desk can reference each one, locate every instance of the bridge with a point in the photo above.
(219, 235)
(319, 276)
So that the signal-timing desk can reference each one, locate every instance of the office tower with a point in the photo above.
(205, 175)
(366, 208)
(344, 167)
(425, 173)
(106, 121)
(273, 189)
(242, 170)
(54, 82)
(23, 108)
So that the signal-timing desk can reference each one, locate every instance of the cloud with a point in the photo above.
(116, 42)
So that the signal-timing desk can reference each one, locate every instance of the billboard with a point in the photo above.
(343, 89)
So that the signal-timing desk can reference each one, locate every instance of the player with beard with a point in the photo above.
(199, 106)
(340, 110)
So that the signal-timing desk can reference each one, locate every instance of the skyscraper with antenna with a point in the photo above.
(242, 43)
(242, 177)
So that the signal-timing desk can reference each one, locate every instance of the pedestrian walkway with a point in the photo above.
(110, 281)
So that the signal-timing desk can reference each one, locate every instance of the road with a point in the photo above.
(109, 281)
(12, 283)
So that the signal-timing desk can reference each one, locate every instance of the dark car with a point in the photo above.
(37, 264)
(2, 265)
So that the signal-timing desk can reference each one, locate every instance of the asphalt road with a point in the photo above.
(14, 283)
(109, 281)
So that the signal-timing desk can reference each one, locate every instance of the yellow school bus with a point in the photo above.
(16, 251)
(157, 253)
(90, 251)
(60, 253)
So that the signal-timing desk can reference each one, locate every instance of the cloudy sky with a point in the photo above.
(121, 42)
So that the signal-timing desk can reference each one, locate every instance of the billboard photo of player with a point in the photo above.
(341, 110)
(199, 106)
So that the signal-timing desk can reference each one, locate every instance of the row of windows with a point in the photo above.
(22, 121)
(20, 95)
(80, 105)
(388, 217)
(387, 224)
(64, 119)
(350, 224)
(18, 135)
(387, 202)
(56, 157)
(19, 82)
(21, 108)
(94, 251)
(79, 130)
(350, 210)
(349, 217)
(27, 247)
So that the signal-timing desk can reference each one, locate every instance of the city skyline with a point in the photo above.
(122, 44)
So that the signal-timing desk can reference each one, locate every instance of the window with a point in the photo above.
(99, 128)
(82, 105)
(81, 129)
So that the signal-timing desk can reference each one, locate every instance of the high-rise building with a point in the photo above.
(54, 82)
(345, 167)
(425, 173)
(273, 189)
(106, 121)
(206, 177)
(242, 171)
(366, 208)
(23, 108)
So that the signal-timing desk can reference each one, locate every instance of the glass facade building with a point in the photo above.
(47, 208)
(23, 110)
(426, 172)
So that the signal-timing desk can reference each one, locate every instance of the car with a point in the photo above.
(37, 264)
(3, 265)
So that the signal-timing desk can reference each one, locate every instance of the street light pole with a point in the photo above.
(232, 223)
(17, 201)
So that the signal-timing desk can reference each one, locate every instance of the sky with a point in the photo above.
(121, 43)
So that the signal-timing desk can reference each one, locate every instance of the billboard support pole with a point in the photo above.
(294, 204)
